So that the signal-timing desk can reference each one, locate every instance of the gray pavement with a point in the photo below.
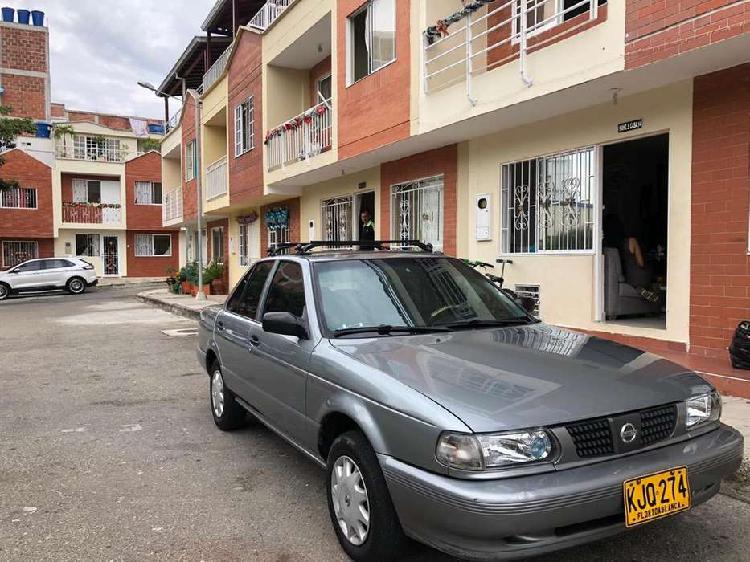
(108, 452)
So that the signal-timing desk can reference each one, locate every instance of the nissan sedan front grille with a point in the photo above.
(592, 438)
(658, 423)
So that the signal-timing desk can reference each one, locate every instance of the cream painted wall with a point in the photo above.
(236, 271)
(295, 21)
(583, 57)
(289, 89)
(172, 142)
(567, 282)
(215, 99)
(314, 195)
(69, 237)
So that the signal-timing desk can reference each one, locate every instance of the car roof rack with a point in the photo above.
(302, 249)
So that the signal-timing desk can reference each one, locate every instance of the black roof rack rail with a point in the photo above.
(382, 245)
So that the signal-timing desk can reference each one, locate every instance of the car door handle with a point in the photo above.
(220, 326)
(254, 340)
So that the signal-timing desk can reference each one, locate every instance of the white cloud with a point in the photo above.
(100, 49)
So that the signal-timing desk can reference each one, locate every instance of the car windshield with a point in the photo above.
(394, 293)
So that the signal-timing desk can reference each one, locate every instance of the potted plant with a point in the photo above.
(213, 277)
(188, 277)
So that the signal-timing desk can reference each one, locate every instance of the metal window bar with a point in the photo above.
(418, 211)
(18, 198)
(16, 252)
(337, 218)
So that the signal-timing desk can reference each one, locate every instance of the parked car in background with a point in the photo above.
(72, 274)
(441, 410)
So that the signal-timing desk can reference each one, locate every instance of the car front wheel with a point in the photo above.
(4, 291)
(76, 286)
(359, 503)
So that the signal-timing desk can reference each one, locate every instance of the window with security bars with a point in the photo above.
(278, 236)
(18, 198)
(337, 219)
(153, 245)
(244, 127)
(417, 211)
(548, 203)
(15, 252)
(148, 193)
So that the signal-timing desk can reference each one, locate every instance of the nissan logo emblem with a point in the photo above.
(628, 433)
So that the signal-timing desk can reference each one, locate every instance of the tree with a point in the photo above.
(10, 129)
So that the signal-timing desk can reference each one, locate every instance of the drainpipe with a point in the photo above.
(201, 296)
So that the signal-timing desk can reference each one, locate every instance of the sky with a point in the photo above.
(100, 49)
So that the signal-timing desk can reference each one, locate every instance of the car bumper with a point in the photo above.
(93, 283)
(519, 517)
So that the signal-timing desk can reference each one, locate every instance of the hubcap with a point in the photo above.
(3, 291)
(76, 285)
(217, 394)
(350, 502)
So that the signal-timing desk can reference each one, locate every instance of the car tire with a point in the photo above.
(227, 413)
(76, 286)
(365, 487)
(4, 291)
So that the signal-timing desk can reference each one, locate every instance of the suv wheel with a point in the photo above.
(4, 291)
(359, 503)
(76, 286)
(227, 413)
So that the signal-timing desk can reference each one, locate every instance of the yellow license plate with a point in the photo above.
(656, 496)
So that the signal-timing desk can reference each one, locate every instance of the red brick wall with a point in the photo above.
(189, 189)
(81, 117)
(145, 168)
(151, 266)
(295, 218)
(115, 122)
(245, 80)
(58, 110)
(432, 163)
(720, 265)
(24, 48)
(46, 246)
(66, 183)
(29, 172)
(375, 111)
(660, 29)
(26, 95)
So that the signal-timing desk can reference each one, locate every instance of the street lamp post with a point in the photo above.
(200, 295)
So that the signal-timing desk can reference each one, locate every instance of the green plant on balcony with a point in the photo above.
(10, 129)
(147, 145)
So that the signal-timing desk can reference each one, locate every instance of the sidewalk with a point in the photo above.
(182, 305)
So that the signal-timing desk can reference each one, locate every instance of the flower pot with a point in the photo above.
(185, 288)
(37, 18)
(24, 16)
(207, 290)
(9, 15)
(218, 287)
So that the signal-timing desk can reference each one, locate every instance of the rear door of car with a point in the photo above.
(281, 362)
(58, 271)
(233, 329)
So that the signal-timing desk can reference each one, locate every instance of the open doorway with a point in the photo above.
(635, 220)
(365, 207)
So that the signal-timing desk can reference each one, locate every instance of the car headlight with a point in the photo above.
(703, 408)
(477, 452)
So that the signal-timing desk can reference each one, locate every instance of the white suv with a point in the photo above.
(72, 274)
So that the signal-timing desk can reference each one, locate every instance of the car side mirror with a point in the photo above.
(284, 324)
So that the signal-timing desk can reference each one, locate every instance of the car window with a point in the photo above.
(247, 304)
(57, 264)
(29, 266)
(287, 292)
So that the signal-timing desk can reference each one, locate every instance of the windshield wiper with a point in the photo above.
(515, 321)
(385, 329)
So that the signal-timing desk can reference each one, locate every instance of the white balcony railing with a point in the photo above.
(216, 179)
(478, 39)
(174, 121)
(103, 153)
(270, 11)
(92, 213)
(301, 138)
(217, 69)
(172, 207)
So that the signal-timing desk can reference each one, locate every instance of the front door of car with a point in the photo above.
(28, 275)
(283, 361)
(233, 329)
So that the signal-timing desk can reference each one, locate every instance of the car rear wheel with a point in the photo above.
(4, 291)
(359, 503)
(227, 413)
(76, 286)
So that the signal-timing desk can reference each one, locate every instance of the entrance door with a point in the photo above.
(417, 210)
(111, 256)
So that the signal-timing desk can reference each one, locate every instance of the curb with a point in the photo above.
(174, 308)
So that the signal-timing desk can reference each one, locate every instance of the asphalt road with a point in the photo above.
(108, 452)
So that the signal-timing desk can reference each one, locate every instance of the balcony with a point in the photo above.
(172, 207)
(174, 121)
(215, 72)
(216, 179)
(92, 149)
(479, 39)
(269, 13)
(92, 213)
(303, 137)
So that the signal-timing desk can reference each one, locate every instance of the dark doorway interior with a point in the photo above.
(365, 202)
(636, 200)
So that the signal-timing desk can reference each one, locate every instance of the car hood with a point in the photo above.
(525, 376)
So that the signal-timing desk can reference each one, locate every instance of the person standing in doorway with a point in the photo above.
(366, 230)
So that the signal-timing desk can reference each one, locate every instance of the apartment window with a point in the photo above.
(97, 148)
(18, 198)
(190, 161)
(324, 89)
(548, 203)
(337, 219)
(88, 245)
(15, 252)
(278, 236)
(87, 191)
(244, 127)
(217, 245)
(372, 38)
(418, 211)
(543, 14)
(148, 193)
(153, 245)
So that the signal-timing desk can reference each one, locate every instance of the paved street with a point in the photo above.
(108, 452)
